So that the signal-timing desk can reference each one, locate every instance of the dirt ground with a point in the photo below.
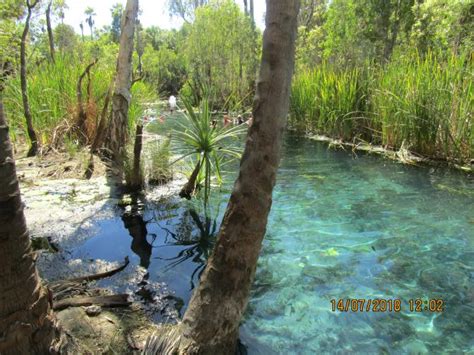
(59, 200)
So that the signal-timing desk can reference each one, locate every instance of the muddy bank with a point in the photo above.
(60, 208)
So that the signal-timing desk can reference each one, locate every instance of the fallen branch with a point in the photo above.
(120, 300)
(101, 275)
(81, 113)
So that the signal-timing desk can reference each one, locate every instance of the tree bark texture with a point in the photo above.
(101, 127)
(188, 189)
(136, 183)
(118, 125)
(50, 30)
(27, 324)
(211, 322)
(24, 84)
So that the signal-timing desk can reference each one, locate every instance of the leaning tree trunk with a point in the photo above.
(188, 189)
(50, 30)
(118, 126)
(211, 322)
(24, 85)
(27, 323)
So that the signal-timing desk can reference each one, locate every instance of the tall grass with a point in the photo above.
(330, 101)
(53, 101)
(426, 103)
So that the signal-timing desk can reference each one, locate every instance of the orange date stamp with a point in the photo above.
(366, 305)
(386, 305)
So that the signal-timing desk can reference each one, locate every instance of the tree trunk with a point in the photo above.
(136, 182)
(24, 85)
(101, 127)
(211, 322)
(188, 188)
(118, 126)
(27, 323)
(50, 30)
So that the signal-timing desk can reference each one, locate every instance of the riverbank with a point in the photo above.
(403, 155)
(60, 208)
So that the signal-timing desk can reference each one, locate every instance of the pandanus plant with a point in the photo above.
(209, 142)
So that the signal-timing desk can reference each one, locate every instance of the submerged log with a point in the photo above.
(120, 300)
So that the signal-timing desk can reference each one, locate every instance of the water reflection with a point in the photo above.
(194, 246)
(133, 221)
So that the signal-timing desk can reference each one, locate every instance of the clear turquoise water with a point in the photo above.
(341, 226)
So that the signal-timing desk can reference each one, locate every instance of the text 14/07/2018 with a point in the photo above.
(386, 305)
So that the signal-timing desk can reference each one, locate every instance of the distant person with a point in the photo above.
(240, 120)
(172, 102)
(227, 120)
(250, 121)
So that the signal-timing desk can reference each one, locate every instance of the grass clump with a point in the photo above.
(159, 169)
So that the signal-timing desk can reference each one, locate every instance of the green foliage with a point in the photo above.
(52, 95)
(330, 101)
(210, 144)
(185, 8)
(65, 39)
(428, 103)
(345, 43)
(159, 170)
(116, 11)
(164, 69)
(10, 31)
(141, 93)
(219, 53)
(443, 24)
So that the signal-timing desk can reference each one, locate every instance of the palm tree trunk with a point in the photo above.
(211, 322)
(24, 85)
(27, 323)
(118, 126)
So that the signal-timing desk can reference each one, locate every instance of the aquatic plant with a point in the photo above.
(208, 142)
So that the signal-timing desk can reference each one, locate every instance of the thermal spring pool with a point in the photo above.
(341, 227)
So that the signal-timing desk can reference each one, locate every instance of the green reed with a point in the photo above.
(53, 99)
(424, 102)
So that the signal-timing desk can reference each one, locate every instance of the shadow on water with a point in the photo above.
(136, 226)
(196, 248)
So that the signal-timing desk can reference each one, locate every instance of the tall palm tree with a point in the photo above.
(90, 13)
(27, 323)
(211, 322)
